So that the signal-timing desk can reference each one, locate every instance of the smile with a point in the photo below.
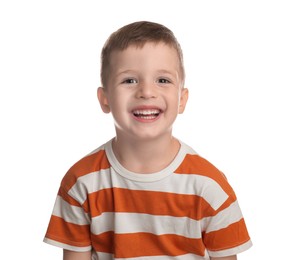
(146, 114)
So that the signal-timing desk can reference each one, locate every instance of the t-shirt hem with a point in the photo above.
(66, 246)
(231, 251)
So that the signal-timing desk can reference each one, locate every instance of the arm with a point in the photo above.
(71, 255)
(232, 257)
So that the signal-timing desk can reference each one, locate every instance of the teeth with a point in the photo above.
(146, 112)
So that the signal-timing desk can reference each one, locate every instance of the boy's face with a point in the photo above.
(144, 92)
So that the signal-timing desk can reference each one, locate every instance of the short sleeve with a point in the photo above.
(69, 226)
(225, 233)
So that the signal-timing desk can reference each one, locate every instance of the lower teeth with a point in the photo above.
(148, 117)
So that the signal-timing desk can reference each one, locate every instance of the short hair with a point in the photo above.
(137, 34)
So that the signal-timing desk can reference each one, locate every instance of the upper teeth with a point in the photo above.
(146, 112)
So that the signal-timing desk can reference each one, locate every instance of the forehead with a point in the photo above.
(159, 55)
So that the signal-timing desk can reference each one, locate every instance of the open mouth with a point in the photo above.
(146, 114)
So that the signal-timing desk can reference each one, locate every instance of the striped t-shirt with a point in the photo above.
(186, 211)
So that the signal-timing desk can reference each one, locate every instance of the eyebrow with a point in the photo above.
(170, 72)
(161, 71)
(134, 71)
(125, 72)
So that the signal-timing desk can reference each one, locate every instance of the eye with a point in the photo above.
(129, 81)
(163, 81)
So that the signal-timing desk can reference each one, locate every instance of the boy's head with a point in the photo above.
(137, 34)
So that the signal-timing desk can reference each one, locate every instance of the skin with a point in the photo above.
(143, 79)
(70, 255)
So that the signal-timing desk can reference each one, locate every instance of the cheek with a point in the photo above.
(118, 106)
(175, 99)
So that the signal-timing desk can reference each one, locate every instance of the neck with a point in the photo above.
(146, 156)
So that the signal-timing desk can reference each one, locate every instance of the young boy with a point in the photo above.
(145, 194)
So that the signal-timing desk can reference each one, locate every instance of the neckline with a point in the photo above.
(144, 177)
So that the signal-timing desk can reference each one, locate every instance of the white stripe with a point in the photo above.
(106, 256)
(188, 184)
(202, 186)
(223, 219)
(68, 247)
(70, 213)
(90, 183)
(180, 257)
(135, 223)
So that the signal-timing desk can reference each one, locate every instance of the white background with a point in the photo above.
(239, 65)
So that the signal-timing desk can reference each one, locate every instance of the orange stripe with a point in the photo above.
(146, 244)
(194, 164)
(149, 202)
(233, 235)
(68, 233)
(91, 163)
(104, 242)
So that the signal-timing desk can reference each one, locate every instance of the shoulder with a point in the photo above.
(93, 162)
(193, 163)
(202, 169)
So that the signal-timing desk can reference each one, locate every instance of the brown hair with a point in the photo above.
(138, 33)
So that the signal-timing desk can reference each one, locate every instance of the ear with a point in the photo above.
(183, 100)
(102, 96)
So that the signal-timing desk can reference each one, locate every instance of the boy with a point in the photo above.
(144, 194)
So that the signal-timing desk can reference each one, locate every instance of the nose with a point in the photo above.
(146, 90)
